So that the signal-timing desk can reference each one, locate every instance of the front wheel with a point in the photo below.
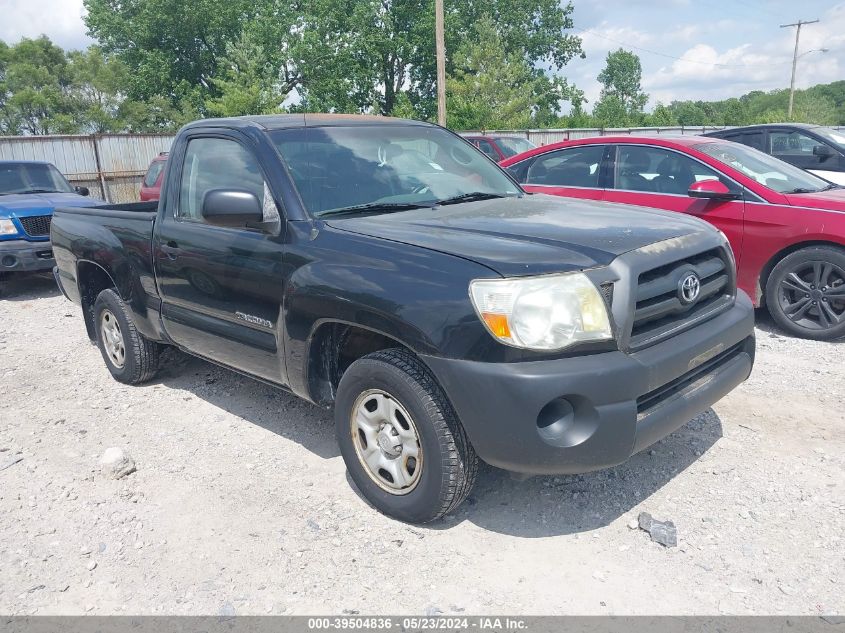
(131, 358)
(402, 443)
(805, 293)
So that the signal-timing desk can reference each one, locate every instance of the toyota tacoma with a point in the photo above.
(388, 269)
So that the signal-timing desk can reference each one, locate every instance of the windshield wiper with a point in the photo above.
(40, 191)
(377, 207)
(804, 190)
(832, 185)
(472, 197)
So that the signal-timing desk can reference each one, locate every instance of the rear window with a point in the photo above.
(153, 173)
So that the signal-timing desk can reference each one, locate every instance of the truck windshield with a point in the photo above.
(386, 168)
(768, 171)
(31, 178)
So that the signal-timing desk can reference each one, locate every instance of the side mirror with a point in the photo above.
(83, 191)
(823, 151)
(231, 207)
(711, 190)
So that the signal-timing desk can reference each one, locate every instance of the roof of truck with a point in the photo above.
(281, 121)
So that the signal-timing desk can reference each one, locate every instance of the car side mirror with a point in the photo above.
(711, 190)
(823, 151)
(83, 191)
(232, 208)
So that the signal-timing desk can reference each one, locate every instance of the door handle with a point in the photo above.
(171, 249)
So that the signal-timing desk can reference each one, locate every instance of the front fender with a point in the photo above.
(409, 294)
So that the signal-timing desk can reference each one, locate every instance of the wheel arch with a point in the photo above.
(332, 347)
(91, 280)
(766, 271)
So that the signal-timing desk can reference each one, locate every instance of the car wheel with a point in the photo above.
(3, 279)
(131, 358)
(805, 293)
(403, 445)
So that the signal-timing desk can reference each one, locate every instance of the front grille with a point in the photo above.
(37, 225)
(691, 380)
(607, 294)
(659, 311)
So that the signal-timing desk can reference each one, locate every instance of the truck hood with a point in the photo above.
(533, 235)
(24, 205)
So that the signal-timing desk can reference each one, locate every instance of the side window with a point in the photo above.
(657, 170)
(794, 147)
(752, 139)
(487, 148)
(216, 163)
(153, 173)
(573, 167)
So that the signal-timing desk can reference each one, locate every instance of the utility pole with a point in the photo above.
(441, 61)
(797, 24)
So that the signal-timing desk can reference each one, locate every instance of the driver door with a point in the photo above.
(221, 287)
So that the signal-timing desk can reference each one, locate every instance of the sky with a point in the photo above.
(689, 49)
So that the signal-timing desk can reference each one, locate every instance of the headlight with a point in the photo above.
(543, 313)
(7, 227)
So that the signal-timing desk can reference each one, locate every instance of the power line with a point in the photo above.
(683, 59)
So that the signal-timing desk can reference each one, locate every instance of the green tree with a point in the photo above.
(36, 83)
(170, 46)
(621, 81)
(610, 111)
(492, 89)
(661, 116)
(247, 82)
(97, 90)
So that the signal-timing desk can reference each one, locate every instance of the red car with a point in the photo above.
(151, 185)
(500, 147)
(786, 226)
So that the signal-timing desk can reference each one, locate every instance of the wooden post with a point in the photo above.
(440, 41)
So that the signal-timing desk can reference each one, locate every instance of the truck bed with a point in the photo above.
(128, 210)
(113, 240)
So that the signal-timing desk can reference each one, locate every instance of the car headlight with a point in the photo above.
(550, 312)
(7, 227)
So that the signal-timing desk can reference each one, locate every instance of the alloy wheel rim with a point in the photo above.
(812, 295)
(386, 441)
(112, 338)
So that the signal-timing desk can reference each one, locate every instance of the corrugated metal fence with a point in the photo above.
(545, 137)
(110, 165)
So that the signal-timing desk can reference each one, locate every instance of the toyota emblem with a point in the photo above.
(689, 289)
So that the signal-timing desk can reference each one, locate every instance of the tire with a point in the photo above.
(394, 386)
(4, 277)
(805, 293)
(116, 332)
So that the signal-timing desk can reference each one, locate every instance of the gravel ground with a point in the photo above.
(241, 503)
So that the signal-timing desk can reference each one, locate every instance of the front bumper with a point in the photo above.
(585, 413)
(23, 256)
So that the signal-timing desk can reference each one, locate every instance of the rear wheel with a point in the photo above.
(805, 293)
(403, 445)
(131, 358)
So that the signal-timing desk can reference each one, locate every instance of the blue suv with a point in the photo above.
(29, 191)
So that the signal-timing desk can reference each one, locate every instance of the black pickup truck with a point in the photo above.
(389, 269)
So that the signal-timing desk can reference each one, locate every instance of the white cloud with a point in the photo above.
(61, 21)
(706, 73)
